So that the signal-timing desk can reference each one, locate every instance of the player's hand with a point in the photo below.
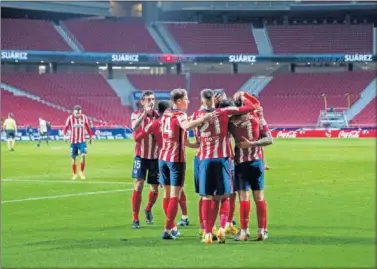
(245, 143)
(217, 99)
(238, 96)
(210, 116)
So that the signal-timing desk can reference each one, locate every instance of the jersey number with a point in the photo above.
(167, 127)
(205, 126)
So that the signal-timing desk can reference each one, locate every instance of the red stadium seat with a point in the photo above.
(19, 34)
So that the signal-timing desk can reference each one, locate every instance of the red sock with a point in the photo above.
(262, 214)
(206, 213)
(214, 211)
(136, 202)
(82, 166)
(244, 214)
(224, 212)
(152, 198)
(182, 203)
(172, 213)
(165, 205)
(201, 213)
(74, 168)
(232, 207)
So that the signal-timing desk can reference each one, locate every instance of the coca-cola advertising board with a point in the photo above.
(325, 133)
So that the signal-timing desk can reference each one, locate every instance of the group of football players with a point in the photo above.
(219, 171)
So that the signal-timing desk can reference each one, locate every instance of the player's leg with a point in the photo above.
(74, 154)
(196, 184)
(39, 140)
(224, 189)
(184, 221)
(152, 180)
(177, 179)
(164, 180)
(9, 139)
(138, 173)
(257, 185)
(243, 186)
(13, 141)
(229, 227)
(207, 187)
(83, 152)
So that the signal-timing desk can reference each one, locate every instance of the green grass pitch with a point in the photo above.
(320, 195)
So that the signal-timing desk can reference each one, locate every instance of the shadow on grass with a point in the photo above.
(142, 242)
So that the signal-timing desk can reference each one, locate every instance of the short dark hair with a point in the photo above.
(146, 93)
(162, 106)
(177, 94)
(207, 94)
(226, 103)
(10, 115)
(77, 107)
(238, 103)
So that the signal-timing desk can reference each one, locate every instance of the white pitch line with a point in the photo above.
(66, 181)
(64, 196)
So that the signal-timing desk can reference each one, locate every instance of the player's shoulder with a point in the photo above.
(136, 112)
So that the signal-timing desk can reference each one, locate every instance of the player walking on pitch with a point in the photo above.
(78, 123)
(10, 128)
(145, 165)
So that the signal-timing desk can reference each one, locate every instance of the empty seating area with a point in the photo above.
(231, 83)
(323, 38)
(112, 36)
(213, 38)
(157, 82)
(367, 117)
(91, 91)
(296, 99)
(27, 111)
(19, 34)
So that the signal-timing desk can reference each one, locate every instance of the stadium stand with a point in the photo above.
(323, 38)
(112, 36)
(213, 38)
(296, 99)
(27, 111)
(91, 91)
(157, 82)
(20, 34)
(367, 117)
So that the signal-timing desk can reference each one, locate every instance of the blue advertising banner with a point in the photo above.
(127, 58)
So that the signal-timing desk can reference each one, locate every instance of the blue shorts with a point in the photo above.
(250, 175)
(214, 177)
(172, 173)
(142, 166)
(76, 147)
(196, 173)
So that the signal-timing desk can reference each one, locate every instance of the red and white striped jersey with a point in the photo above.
(153, 128)
(77, 127)
(214, 137)
(251, 127)
(173, 136)
(147, 147)
(196, 132)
